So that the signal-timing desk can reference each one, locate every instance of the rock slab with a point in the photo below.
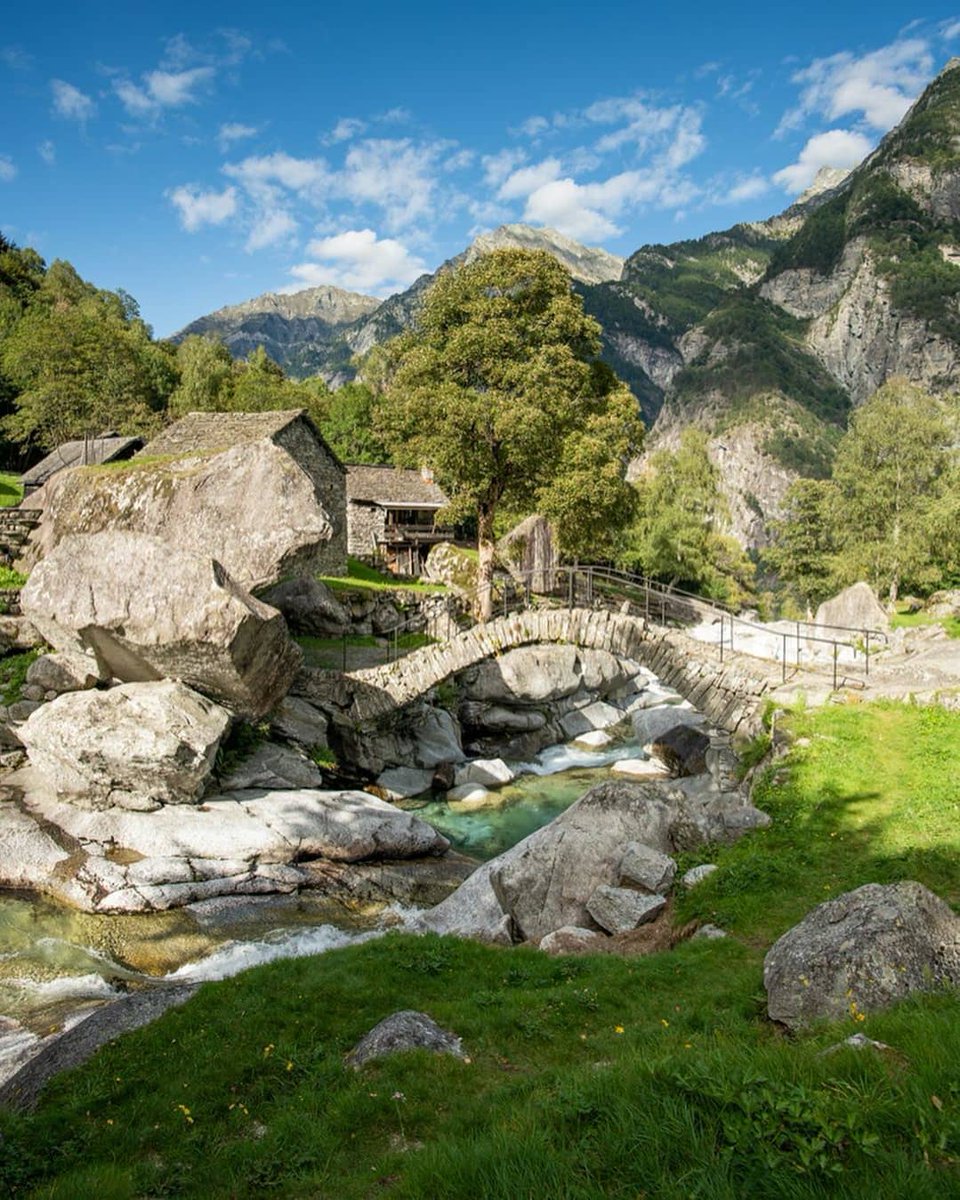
(148, 610)
(618, 910)
(862, 952)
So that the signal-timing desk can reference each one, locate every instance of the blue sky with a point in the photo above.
(198, 155)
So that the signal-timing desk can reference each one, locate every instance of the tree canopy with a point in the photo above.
(891, 512)
(499, 390)
(679, 534)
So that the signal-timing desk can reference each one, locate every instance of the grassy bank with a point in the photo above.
(588, 1077)
(361, 577)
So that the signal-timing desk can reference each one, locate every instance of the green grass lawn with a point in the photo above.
(366, 578)
(588, 1077)
(918, 619)
(11, 490)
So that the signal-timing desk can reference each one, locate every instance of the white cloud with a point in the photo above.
(359, 261)
(581, 211)
(835, 148)
(295, 174)
(269, 228)
(48, 152)
(750, 188)
(346, 129)
(950, 30)
(16, 58)
(396, 175)
(198, 208)
(496, 167)
(525, 180)
(878, 87)
(163, 89)
(70, 102)
(232, 132)
(534, 126)
(8, 170)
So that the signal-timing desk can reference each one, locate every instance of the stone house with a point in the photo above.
(392, 516)
(261, 493)
(91, 451)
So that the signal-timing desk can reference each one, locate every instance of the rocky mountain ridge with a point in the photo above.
(775, 329)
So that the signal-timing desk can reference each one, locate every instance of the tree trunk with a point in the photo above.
(486, 548)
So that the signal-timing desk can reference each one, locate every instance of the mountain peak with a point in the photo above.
(587, 264)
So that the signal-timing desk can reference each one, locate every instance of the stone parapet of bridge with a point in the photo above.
(729, 691)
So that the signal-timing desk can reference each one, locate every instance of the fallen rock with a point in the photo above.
(148, 610)
(650, 723)
(710, 933)
(472, 911)
(944, 604)
(437, 738)
(300, 722)
(697, 874)
(489, 772)
(139, 745)
(618, 910)
(856, 607)
(308, 606)
(647, 868)
(407, 1030)
(400, 783)
(529, 553)
(862, 952)
(599, 715)
(468, 793)
(682, 749)
(596, 739)
(571, 939)
(66, 671)
(18, 633)
(277, 768)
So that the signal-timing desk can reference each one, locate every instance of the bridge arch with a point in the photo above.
(728, 692)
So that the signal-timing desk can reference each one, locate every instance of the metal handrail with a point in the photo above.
(520, 595)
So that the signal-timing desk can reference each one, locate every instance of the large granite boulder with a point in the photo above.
(862, 952)
(258, 492)
(147, 610)
(546, 880)
(138, 746)
(308, 606)
(856, 607)
(238, 843)
(943, 604)
(529, 553)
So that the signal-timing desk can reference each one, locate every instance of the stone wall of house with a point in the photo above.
(330, 482)
(366, 523)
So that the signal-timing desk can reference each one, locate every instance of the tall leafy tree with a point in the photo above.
(496, 387)
(79, 363)
(804, 541)
(892, 471)
(679, 535)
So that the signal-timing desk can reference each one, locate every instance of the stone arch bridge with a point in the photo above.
(729, 691)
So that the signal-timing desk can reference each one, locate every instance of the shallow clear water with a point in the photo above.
(56, 963)
(557, 777)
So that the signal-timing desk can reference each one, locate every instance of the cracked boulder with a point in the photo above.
(862, 952)
(138, 746)
(146, 610)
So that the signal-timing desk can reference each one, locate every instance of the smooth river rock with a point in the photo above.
(241, 843)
